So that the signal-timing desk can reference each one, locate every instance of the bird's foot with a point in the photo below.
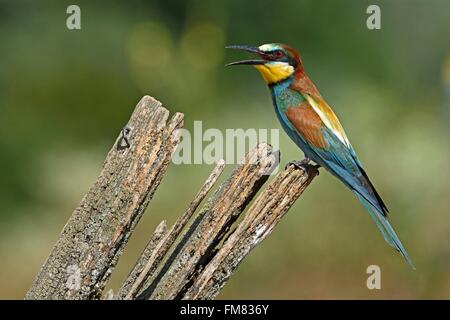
(317, 167)
(303, 164)
(124, 142)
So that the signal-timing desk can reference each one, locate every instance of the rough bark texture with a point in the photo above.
(211, 225)
(139, 268)
(153, 262)
(94, 237)
(258, 223)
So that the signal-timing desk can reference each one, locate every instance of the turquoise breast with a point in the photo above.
(283, 97)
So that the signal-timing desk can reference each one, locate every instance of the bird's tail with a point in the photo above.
(384, 226)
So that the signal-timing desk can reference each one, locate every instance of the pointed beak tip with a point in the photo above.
(245, 62)
(234, 46)
(234, 63)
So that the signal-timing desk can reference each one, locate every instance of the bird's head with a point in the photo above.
(277, 62)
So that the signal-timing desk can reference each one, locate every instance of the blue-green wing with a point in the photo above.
(341, 161)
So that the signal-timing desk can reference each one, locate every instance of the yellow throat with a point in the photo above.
(274, 72)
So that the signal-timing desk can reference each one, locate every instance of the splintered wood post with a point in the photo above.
(211, 225)
(93, 239)
(259, 221)
(139, 268)
(151, 258)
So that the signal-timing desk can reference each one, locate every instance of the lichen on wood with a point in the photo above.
(213, 222)
(259, 221)
(159, 252)
(93, 239)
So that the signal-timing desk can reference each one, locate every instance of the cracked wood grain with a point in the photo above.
(93, 239)
(259, 221)
(212, 224)
(139, 268)
(158, 253)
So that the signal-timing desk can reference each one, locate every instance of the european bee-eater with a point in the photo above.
(314, 127)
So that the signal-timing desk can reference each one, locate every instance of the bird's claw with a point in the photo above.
(317, 166)
(124, 142)
(303, 164)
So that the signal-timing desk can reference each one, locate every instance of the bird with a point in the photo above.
(314, 127)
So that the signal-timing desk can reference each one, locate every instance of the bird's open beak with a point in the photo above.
(248, 49)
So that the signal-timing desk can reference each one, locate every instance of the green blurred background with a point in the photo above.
(65, 95)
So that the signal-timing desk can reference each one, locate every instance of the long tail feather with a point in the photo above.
(386, 229)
